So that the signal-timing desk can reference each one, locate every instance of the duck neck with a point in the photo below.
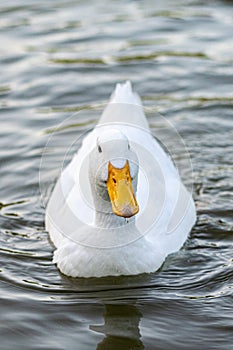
(110, 220)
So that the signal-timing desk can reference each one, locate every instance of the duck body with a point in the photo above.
(90, 239)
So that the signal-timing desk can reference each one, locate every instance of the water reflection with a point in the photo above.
(121, 328)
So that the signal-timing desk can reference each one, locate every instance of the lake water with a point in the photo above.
(58, 57)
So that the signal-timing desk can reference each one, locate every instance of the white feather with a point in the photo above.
(90, 243)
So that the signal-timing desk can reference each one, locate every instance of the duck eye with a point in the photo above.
(99, 149)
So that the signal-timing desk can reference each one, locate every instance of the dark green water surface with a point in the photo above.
(57, 57)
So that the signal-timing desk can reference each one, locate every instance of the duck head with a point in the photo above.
(114, 171)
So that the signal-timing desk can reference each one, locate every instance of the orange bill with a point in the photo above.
(121, 192)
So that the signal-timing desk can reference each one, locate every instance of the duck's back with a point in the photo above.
(124, 109)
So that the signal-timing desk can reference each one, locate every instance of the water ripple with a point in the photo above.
(59, 62)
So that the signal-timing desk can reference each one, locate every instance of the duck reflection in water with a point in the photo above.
(121, 328)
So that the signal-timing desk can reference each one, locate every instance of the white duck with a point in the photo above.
(119, 207)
